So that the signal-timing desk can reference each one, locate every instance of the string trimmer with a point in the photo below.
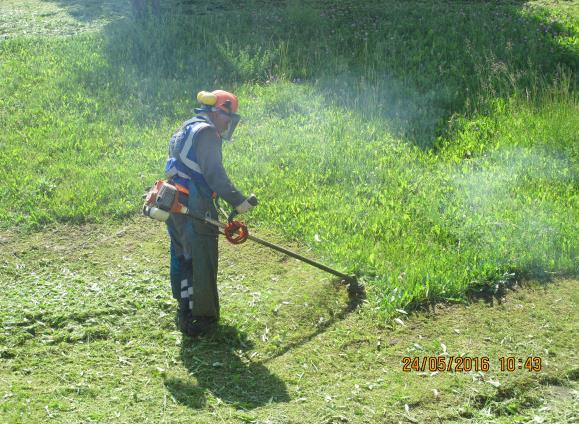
(163, 199)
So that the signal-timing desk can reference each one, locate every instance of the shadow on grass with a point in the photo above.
(493, 293)
(356, 299)
(496, 292)
(222, 369)
(412, 64)
(88, 10)
(352, 305)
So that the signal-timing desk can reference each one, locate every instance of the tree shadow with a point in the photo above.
(88, 11)
(361, 56)
(221, 367)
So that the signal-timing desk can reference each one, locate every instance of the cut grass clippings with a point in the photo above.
(88, 334)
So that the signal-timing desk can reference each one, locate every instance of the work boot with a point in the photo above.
(184, 320)
(206, 324)
(193, 326)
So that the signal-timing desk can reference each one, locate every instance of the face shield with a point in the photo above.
(233, 121)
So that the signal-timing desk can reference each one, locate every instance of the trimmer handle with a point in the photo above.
(252, 200)
(232, 215)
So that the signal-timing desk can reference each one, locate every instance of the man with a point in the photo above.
(195, 167)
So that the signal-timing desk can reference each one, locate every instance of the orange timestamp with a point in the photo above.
(468, 363)
(512, 363)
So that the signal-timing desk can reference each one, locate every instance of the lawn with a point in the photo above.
(430, 149)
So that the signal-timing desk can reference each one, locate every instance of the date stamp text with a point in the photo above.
(469, 363)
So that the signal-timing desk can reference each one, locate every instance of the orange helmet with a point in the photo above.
(218, 99)
(222, 101)
(225, 101)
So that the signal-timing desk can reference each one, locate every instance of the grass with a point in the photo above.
(91, 337)
(405, 149)
(431, 150)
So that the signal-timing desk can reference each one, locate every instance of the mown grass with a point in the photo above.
(430, 150)
(87, 334)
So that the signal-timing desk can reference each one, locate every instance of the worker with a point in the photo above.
(195, 167)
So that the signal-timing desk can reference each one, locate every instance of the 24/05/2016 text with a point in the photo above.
(467, 363)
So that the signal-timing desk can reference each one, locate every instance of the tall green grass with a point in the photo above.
(428, 149)
(500, 198)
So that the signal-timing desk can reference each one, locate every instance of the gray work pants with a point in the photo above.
(194, 272)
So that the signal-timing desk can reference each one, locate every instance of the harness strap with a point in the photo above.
(188, 145)
(181, 162)
(181, 189)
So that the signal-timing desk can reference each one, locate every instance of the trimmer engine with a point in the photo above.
(162, 199)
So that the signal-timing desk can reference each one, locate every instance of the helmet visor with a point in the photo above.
(233, 121)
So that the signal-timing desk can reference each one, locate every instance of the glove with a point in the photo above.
(247, 204)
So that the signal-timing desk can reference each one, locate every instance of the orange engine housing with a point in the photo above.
(173, 205)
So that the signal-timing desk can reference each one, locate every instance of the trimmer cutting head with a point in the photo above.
(355, 289)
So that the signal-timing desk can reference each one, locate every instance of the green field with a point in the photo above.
(430, 148)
